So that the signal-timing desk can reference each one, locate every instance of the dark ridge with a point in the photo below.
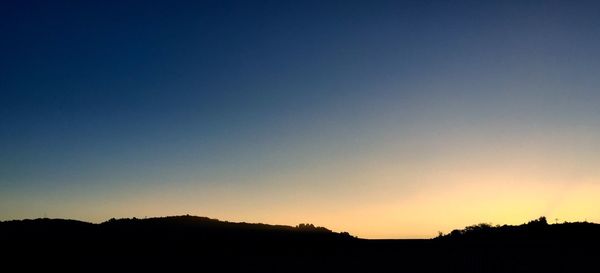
(184, 227)
(191, 243)
(536, 231)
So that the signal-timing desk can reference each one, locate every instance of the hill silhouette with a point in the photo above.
(535, 231)
(159, 228)
(191, 243)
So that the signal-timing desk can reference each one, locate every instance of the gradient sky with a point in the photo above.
(386, 119)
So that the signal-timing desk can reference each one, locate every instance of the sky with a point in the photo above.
(386, 119)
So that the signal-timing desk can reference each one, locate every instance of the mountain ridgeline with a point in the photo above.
(160, 228)
(190, 243)
(535, 231)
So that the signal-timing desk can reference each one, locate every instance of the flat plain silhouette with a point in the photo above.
(200, 244)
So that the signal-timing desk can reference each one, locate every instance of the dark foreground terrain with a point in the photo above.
(199, 244)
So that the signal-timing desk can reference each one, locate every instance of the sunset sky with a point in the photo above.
(386, 119)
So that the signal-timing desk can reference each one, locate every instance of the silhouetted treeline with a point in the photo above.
(168, 228)
(200, 244)
(534, 231)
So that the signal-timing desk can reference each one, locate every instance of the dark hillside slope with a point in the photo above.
(197, 244)
(166, 241)
(163, 229)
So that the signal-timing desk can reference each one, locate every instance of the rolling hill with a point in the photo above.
(191, 243)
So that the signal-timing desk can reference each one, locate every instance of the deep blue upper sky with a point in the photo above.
(103, 98)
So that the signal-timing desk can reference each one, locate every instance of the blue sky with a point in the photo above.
(331, 112)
